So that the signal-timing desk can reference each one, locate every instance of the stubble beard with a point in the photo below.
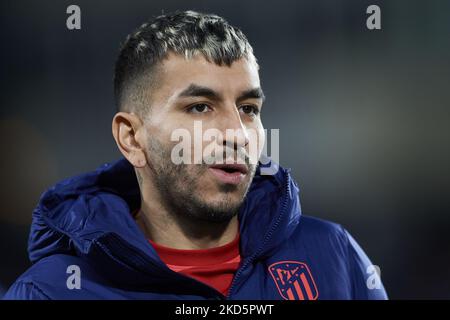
(179, 185)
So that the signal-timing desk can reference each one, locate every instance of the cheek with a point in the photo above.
(162, 124)
(170, 136)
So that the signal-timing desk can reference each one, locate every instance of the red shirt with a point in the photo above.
(214, 267)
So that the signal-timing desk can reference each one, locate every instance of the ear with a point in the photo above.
(128, 131)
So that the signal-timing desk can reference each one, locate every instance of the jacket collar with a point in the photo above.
(90, 213)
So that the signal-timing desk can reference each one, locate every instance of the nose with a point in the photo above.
(235, 133)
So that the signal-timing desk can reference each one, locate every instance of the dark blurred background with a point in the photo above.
(363, 116)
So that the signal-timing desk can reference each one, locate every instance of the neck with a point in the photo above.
(180, 232)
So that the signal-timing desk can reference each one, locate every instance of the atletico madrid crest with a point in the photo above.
(294, 280)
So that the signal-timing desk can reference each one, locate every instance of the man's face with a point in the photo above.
(194, 91)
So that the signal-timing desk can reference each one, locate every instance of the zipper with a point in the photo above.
(266, 239)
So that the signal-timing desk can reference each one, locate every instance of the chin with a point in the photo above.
(231, 201)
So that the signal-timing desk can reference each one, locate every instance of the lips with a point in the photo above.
(229, 173)
(231, 168)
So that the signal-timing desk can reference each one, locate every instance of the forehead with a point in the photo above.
(177, 72)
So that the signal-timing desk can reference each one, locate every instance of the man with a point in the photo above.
(151, 227)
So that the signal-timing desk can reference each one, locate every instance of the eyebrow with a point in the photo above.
(255, 93)
(195, 90)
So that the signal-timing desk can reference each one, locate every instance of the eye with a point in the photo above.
(249, 110)
(199, 108)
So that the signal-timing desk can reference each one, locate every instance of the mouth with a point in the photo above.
(229, 173)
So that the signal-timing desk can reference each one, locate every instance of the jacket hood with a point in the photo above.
(73, 216)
